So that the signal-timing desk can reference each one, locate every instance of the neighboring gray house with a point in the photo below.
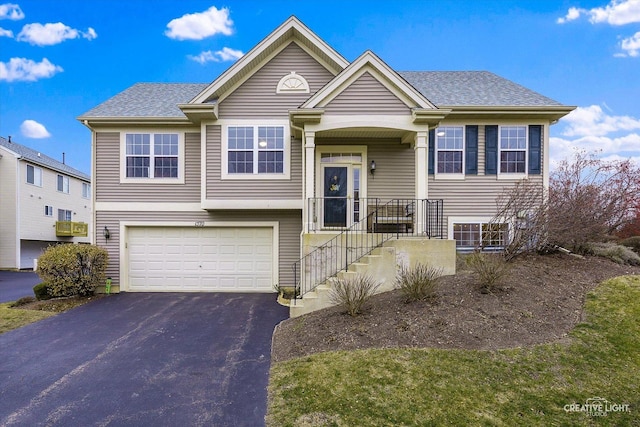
(42, 202)
(224, 186)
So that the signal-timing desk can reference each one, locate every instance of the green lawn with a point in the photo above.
(527, 386)
(13, 318)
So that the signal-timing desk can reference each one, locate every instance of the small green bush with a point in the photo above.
(419, 282)
(71, 269)
(353, 293)
(41, 291)
(490, 269)
(617, 253)
(633, 243)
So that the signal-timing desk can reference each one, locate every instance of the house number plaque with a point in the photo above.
(199, 224)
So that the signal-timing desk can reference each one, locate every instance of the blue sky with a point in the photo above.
(60, 58)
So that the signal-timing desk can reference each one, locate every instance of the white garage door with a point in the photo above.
(179, 259)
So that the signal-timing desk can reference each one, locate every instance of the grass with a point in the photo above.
(523, 386)
(17, 317)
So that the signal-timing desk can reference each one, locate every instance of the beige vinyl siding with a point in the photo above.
(8, 211)
(473, 196)
(257, 98)
(290, 224)
(366, 95)
(261, 189)
(109, 189)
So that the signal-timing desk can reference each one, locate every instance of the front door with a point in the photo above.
(335, 196)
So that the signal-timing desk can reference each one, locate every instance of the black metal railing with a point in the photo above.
(375, 224)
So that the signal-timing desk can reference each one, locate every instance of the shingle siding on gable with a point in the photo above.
(257, 98)
(250, 189)
(366, 95)
(109, 189)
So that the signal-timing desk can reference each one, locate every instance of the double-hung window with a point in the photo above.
(151, 155)
(86, 190)
(256, 151)
(450, 149)
(63, 184)
(64, 215)
(34, 175)
(513, 149)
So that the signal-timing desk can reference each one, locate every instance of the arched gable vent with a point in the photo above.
(292, 83)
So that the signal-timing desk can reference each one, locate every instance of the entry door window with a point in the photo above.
(335, 196)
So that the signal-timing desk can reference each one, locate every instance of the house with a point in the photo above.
(295, 164)
(42, 202)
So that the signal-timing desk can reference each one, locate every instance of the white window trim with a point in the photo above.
(450, 176)
(66, 179)
(34, 175)
(86, 185)
(48, 211)
(286, 169)
(517, 175)
(474, 220)
(66, 210)
(123, 157)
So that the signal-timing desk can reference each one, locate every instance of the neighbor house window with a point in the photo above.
(63, 184)
(513, 149)
(255, 150)
(48, 211)
(34, 175)
(474, 235)
(151, 155)
(449, 149)
(64, 215)
(86, 190)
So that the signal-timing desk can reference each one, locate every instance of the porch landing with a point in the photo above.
(383, 265)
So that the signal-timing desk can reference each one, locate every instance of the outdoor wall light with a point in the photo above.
(372, 167)
(106, 233)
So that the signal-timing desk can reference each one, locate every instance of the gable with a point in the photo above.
(257, 96)
(366, 95)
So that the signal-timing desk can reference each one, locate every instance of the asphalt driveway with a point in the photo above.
(17, 284)
(135, 359)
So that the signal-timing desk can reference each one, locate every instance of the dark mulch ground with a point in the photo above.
(541, 302)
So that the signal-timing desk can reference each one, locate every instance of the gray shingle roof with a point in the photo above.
(40, 159)
(443, 88)
(473, 88)
(148, 100)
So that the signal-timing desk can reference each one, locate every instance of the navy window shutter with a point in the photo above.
(491, 150)
(471, 150)
(432, 143)
(535, 149)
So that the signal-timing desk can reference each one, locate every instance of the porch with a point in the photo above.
(349, 236)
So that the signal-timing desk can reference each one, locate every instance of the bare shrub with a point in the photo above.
(353, 293)
(419, 282)
(490, 269)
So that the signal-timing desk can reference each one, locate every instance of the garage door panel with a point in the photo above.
(200, 259)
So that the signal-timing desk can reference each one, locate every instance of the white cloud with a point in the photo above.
(572, 14)
(51, 34)
(11, 11)
(617, 12)
(197, 26)
(33, 129)
(6, 33)
(226, 54)
(592, 130)
(22, 69)
(631, 45)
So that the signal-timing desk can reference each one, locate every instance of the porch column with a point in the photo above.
(309, 178)
(421, 170)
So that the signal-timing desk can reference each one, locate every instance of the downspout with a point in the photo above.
(304, 183)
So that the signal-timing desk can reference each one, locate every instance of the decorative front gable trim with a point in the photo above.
(291, 30)
(371, 63)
